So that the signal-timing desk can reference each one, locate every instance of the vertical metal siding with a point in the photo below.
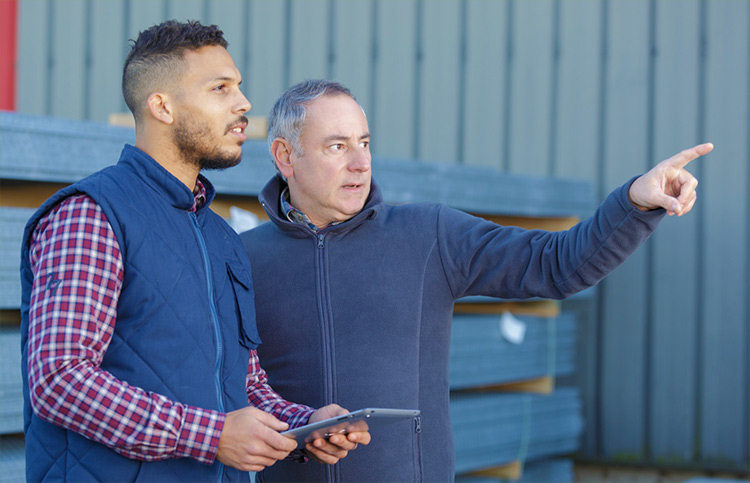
(669, 427)
(484, 84)
(624, 298)
(440, 65)
(599, 90)
(725, 224)
(531, 83)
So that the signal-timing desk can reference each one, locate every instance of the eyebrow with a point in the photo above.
(341, 137)
(224, 78)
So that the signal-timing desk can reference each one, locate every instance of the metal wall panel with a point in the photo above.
(723, 348)
(309, 40)
(486, 63)
(33, 78)
(266, 74)
(575, 144)
(531, 79)
(396, 88)
(352, 47)
(439, 61)
(625, 296)
(589, 89)
(107, 52)
(670, 427)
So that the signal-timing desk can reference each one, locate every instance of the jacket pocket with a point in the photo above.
(242, 284)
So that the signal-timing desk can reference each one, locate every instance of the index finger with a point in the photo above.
(681, 159)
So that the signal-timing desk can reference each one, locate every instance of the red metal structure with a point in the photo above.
(8, 38)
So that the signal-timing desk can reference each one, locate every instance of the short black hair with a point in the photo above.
(156, 55)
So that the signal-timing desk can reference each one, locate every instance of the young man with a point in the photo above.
(138, 325)
(363, 292)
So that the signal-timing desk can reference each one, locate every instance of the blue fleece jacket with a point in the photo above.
(185, 320)
(360, 314)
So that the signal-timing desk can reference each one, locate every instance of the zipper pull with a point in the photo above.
(320, 241)
(418, 424)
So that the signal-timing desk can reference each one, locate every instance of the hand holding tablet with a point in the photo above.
(361, 420)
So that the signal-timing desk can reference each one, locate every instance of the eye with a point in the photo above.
(365, 144)
(337, 147)
(220, 88)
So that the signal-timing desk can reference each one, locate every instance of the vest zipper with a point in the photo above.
(327, 340)
(214, 320)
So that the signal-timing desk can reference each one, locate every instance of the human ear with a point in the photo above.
(282, 150)
(160, 108)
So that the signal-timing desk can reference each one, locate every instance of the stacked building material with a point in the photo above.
(493, 429)
(11, 397)
(12, 222)
(507, 425)
(12, 460)
(484, 353)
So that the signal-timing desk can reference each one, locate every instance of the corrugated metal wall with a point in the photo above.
(599, 90)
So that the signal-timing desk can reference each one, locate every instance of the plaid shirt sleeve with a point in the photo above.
(78, 274)
(260, 395)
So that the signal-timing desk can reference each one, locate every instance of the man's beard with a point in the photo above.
(192, 141)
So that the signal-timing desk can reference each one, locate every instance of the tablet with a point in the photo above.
(361, 420)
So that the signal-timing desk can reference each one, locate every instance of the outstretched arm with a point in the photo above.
(668, 185)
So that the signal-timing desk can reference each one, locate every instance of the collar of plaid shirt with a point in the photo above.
(199, 193)
(296, 216)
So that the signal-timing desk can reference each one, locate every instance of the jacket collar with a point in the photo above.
(270, 195)
(159, 179)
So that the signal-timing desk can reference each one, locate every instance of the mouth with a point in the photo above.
(353, 186)
(238, 128)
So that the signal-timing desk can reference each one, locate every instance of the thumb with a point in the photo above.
(269, 420)
(667, 202)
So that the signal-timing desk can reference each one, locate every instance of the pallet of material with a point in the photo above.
(492, 429)
(12, 222)
(11, 397)
(556, 470)
(482, 355)
(48, 149)
(12, 459)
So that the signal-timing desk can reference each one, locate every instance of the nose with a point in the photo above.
(360, 161)
(243, 105)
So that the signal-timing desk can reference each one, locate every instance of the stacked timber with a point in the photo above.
(484, 353)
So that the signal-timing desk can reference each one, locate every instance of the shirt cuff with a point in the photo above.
(200, 434)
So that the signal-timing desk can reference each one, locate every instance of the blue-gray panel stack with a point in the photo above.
(493, 429)
(480, 355)
(11, 397)
(12, 459)
(56, 150)
(47, 149)
(557, 470)
(481, 190)
(12, 223)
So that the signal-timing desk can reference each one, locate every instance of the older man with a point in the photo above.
(359, 294)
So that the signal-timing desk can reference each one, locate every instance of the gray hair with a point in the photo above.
(287, 116)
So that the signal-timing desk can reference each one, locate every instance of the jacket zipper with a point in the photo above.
(327, 340)
(418, 448)
(214, 320)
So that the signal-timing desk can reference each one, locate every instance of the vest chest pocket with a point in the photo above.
(242, 284)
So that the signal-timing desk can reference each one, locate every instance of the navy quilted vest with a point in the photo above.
(185, 319)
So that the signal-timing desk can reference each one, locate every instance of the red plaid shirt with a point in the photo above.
(70, 328)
